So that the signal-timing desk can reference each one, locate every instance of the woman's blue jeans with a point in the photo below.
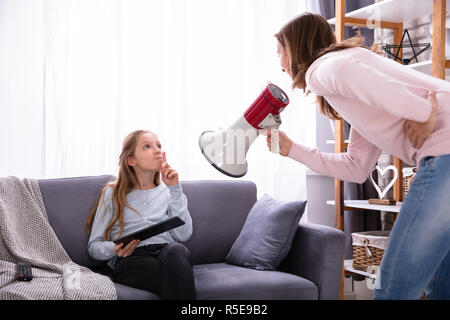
(417, 259)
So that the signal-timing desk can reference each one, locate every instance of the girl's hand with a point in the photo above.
(127, 250)
(283, 141)
(418, 132)
(168, 175)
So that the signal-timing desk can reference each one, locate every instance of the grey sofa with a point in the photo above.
(312, 269)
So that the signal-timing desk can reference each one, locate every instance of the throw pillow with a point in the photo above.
(266, 238)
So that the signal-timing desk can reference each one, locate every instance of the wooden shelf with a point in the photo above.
(427, 68)
(313, 173)
(333, 141)
(351, 205)
(348, 266)
(394, 11)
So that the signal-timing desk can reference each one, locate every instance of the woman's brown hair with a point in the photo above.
(305, 39)
(125, 182)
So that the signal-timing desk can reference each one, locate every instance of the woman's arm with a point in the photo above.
(417, 132)
(178, 207)
(354, 165)
(98, 247)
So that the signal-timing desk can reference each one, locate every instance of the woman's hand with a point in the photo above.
(168, 175)
(284, 142)
(418, 132)
(127, 250)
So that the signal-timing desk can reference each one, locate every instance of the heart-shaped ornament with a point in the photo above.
(383, 172)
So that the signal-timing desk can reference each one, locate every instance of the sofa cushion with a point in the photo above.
(267, 235)
(221, 281)
(68, 202)
(129, 293)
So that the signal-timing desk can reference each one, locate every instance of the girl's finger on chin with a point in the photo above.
(172, 174)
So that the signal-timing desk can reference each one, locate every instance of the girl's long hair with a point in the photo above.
(125, 182)
(307, 38)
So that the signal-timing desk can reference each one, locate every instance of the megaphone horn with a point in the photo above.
(226, 149)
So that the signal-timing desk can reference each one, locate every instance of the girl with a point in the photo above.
(389, 107)
(135, 200)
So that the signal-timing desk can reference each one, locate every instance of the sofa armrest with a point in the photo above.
(317, 254)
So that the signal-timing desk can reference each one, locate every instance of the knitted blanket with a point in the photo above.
(26, 236)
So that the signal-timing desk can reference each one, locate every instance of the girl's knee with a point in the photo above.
(177, 251)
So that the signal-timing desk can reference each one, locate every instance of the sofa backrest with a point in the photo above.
(218, 210)
(68, 202)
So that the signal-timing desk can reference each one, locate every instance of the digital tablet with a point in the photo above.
(151, 231)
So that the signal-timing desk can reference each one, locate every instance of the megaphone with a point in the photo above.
(226, 150)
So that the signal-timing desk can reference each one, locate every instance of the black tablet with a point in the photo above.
(151, 231)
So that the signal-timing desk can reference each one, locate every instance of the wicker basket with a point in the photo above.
(408, 180)
(368, 248)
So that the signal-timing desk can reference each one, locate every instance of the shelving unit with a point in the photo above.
(348, 265)
(333, 142)
(356, 205)
(390, 11)
(388, 14)
(427, 67)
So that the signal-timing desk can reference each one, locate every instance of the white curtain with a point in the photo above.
(21, 89)
(174, 67)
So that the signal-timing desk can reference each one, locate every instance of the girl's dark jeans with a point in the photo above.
(164, 269)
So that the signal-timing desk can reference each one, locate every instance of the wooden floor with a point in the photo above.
(358, 291)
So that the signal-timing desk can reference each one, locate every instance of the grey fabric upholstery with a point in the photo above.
(242, 283)
(128, 293)
(267, 234)
(316, 254)
(218, 210)
(311, 270)
(68, 202)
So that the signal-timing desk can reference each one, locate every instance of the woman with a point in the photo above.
(389, 107)
(135, 200)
